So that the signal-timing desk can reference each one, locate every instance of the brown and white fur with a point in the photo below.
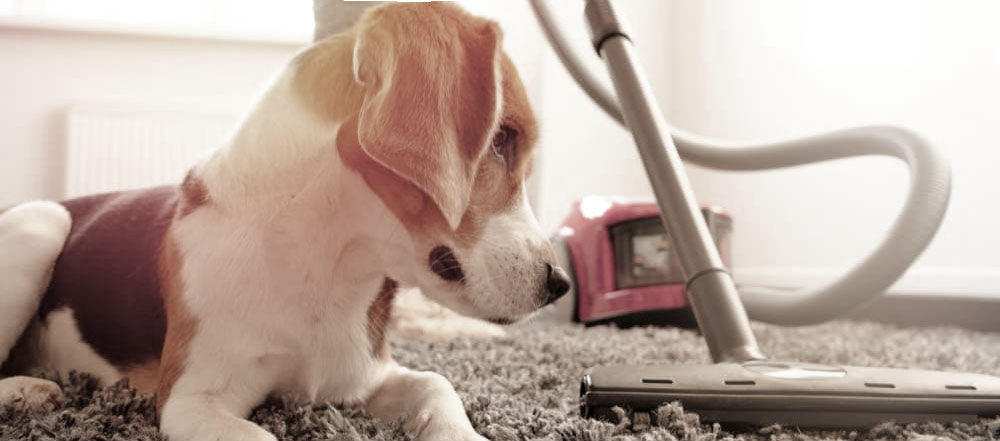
(394, 153)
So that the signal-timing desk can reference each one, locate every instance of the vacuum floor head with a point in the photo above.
(761, 393)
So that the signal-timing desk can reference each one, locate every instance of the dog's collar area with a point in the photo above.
(444, 263)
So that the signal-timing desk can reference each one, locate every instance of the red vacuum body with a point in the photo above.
(622, 263)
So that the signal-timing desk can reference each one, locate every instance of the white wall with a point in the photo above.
(753, 70)
(45, 72)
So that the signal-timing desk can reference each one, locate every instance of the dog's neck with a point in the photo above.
(278, 149)
(282, 167)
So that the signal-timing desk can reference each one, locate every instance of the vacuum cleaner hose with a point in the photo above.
(909, 235)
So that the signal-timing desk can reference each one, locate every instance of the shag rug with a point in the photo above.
(524, 386)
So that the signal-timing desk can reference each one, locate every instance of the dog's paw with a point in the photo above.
(223, 429)
(426, 428)
(451, 435)
(210, 424)
(30, 394)
(255, 434)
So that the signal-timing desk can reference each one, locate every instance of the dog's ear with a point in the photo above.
(430, 75)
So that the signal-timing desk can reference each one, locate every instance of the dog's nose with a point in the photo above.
(557, 283)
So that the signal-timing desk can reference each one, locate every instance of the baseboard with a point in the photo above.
(923, 297)
(975, 282)
(975, 313)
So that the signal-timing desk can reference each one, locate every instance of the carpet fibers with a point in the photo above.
(524, 386)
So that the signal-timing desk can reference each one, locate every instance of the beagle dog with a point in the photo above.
(393, 154)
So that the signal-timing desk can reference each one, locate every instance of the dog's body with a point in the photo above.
(391, 154)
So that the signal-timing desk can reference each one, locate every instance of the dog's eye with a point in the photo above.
(503, 143)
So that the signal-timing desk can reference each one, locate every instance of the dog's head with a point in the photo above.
(444, 137)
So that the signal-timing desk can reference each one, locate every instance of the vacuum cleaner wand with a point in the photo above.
(709, 286)
(742, 387)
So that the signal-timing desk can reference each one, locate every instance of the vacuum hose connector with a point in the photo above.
(604, 23)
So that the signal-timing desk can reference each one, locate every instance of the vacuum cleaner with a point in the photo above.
(624, 268)
(743, 386)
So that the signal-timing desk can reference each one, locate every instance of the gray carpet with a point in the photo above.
(524, 387)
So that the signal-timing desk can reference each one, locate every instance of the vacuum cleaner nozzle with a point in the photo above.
(761, 393)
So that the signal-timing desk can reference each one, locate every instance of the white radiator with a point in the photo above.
(123, 147)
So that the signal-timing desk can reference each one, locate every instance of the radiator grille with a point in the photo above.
(122, 147)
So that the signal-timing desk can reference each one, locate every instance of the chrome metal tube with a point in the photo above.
(713, 295)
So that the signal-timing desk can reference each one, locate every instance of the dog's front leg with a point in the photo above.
(212, 403)
(205, 416)
(427, 403)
